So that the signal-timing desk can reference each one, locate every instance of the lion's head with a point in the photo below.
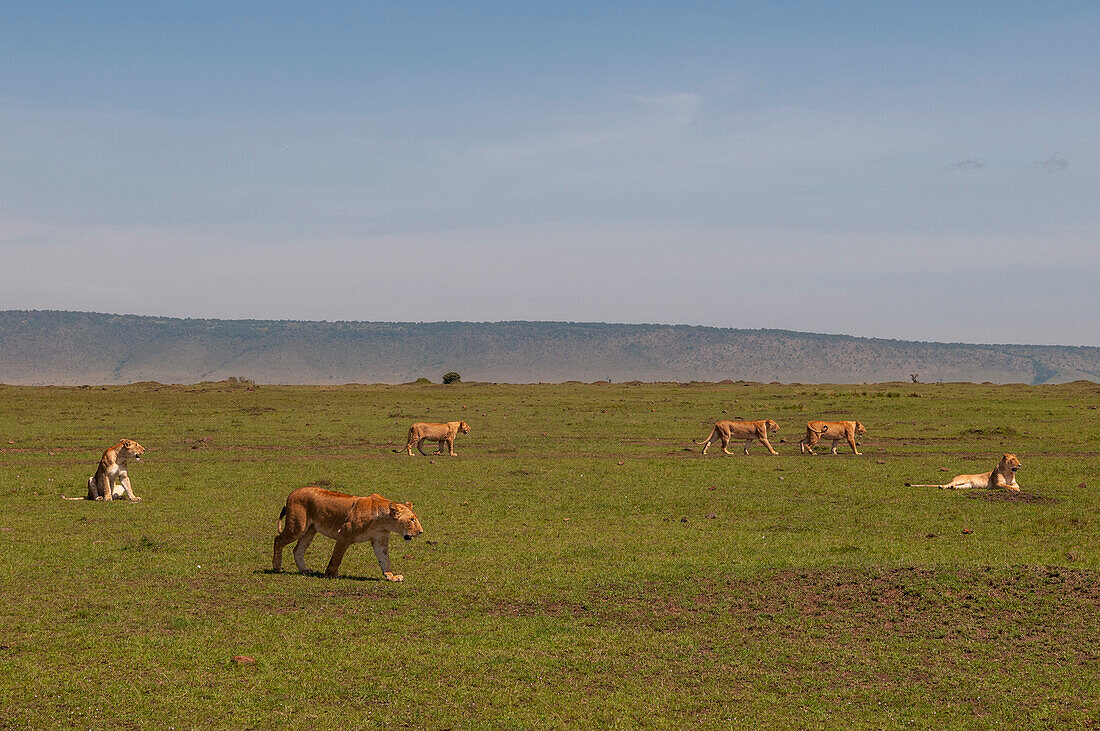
(771, 425)
(129, 449)
(464, 427)
(407, 520)
(1009, 461)
(860, 429)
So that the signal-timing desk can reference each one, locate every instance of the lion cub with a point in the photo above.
(1003, 475)
(346, 519)
(111, 479)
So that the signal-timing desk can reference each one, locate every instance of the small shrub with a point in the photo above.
(451, 377)
(422, 381)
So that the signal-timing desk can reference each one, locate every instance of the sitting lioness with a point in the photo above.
(111, 479)
(834, 430)
(1004, 475)
(747, 430)
(346, 519)
(442, 433)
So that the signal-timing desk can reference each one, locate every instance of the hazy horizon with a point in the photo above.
(924, 173)
(542, 322)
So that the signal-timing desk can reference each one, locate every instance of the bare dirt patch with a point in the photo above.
(1006, 496)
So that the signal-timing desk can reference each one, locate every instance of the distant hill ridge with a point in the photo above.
(74, 348)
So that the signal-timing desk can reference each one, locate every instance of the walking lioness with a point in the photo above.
(111, 479)
(834, 430)
(346, 519)
(1003, 475)
(442, 433)
(728, 431)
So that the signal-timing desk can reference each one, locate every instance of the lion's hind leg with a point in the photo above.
(104, 487)
(285, 537)
(420, 446)
(300, 548)
(962, 482)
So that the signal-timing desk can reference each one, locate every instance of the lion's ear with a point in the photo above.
(408, 503)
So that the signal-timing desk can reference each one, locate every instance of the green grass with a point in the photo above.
(554, 587)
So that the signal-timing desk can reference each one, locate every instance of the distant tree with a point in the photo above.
(451, 377)
(913, 377)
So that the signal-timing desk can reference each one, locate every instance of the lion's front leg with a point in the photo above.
(126, 485)
(766, 443)
(338, 552)
(382, 552)
(450, 447)
(852, 444)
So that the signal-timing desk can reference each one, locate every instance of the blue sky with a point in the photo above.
(903, 170)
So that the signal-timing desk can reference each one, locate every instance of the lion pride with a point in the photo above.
(346, 519)
(728, 431)
(834, 430)
(442, 433)
(111, 479)
(1003, 475)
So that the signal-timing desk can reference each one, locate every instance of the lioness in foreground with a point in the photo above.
(834, 430)
(346, 519)
(727, 431)
(1004, 475)
(442, 433)
(111, 479)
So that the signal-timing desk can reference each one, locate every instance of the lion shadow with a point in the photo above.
(315, 575)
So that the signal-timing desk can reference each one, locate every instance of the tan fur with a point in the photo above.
(442, 433)
(111, 479)
(1003, 475)
(728, 431)
(834, 430)
(346, 519)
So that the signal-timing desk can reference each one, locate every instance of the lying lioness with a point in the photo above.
(1004, 475)
(442, 433)
(727, 431)
(834, 430)
(111, 470)
(346, 519)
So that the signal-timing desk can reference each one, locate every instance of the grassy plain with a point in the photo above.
(582, 565)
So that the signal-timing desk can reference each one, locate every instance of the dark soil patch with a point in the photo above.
(1045, 609)
(1006, 496)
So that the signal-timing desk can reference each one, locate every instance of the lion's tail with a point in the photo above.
(815, 431)
(279, 522)
(910, 484)
(707, 439)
